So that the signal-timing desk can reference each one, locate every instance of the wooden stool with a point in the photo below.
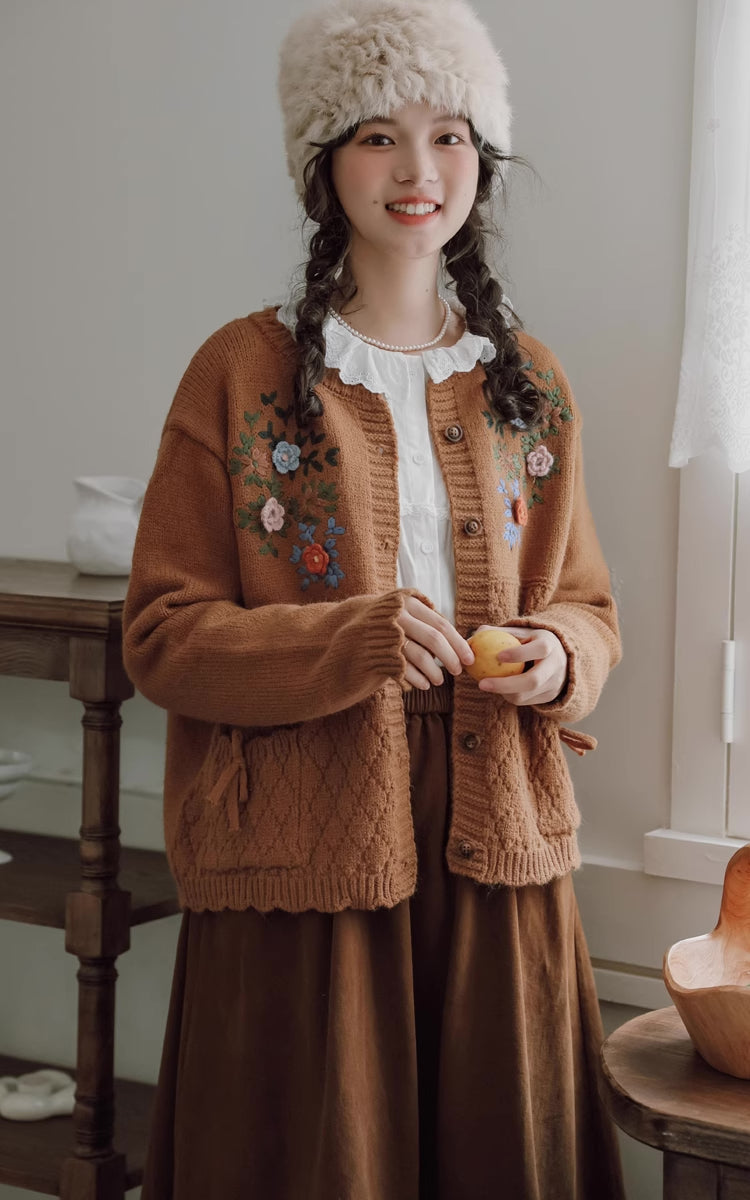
(659, 1090)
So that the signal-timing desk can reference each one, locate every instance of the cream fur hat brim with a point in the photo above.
(357, 59)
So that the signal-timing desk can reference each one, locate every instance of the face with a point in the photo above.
(416, 157)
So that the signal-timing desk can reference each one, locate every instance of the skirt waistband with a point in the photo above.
(438, 698)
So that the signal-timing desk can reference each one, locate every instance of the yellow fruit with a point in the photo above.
(487, 644)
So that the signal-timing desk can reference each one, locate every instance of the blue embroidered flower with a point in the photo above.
(511, 532)
(285, 457)
(315, 561)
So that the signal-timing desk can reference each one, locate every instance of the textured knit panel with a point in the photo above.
(262, 613)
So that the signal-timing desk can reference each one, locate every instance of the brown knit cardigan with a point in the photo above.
(261, 613)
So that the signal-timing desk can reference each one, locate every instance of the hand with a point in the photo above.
(429, 636)
(544, 681)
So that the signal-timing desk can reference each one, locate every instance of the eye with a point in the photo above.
(456, 139)
(376, 139)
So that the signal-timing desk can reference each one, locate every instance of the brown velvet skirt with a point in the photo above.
(440, 1050)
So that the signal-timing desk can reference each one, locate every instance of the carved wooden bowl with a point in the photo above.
(708, 977)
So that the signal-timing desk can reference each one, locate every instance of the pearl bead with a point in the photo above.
(386, 345)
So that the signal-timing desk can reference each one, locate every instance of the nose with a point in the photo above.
(416, 164)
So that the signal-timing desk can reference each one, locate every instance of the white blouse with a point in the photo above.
(425, 552)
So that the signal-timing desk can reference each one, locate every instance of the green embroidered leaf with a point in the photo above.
(258, 502)
(268, 399)
(235, 466)
(316, 440)
(329, 508)
(536, 498)
(275, 487)
(252, 478)
(318, 465)
(267, 432)
(301, 439)
(283, 413)
(265, 548)
(331, 456)
(251, 419)
(566, 414)
(327, 491)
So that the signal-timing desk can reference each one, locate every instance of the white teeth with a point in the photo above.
(419, 210)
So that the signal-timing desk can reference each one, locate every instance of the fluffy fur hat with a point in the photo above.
(357, 59)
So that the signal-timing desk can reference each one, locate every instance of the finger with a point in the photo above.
(421, 659)
(430, 616)
(418, 679)
(434, 637)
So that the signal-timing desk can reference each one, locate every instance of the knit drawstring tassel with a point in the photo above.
(232, 781)
(580, 742)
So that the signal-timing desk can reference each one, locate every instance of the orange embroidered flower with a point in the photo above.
(315, 559)
(520, 512)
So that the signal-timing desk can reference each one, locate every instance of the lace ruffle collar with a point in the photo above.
(383, 370)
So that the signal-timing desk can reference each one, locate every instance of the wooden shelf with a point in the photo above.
(44, 869)
(32, 1152)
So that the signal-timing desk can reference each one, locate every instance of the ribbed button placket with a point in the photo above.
(454, 415)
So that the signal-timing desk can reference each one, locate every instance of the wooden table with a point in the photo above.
(659, 1090)
(57, 624)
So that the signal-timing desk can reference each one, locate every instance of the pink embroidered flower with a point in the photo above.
(261, 459)
(539, 461)
(315, 559)
(272, 515)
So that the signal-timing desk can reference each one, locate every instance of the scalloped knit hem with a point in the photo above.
(297, 891)
(294, 891)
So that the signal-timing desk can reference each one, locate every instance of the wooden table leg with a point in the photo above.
(97, 930)
(688, 1178)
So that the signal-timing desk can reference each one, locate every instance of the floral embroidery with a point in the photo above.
(315, 559)
(285, 457)
(539, 461)
(289, 479)
(520, 512)
(511, 533)
(272, 515)
(532, 463)
(316, 562)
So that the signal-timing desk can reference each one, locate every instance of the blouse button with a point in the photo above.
(466, 850)
(419, 459)
(471, 741)
(473, 526)
(454, 433)
(427, 547)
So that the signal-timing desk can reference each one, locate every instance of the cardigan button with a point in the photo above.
(454, 433)
(465, 849)
(471, 741)
(473, 526)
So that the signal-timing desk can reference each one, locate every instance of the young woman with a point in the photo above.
(382, 990)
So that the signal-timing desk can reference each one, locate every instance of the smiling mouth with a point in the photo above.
(421, 209)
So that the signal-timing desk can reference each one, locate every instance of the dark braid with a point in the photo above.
(328, 249)
(509, 392)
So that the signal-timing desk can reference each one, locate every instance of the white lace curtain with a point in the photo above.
(713, 403)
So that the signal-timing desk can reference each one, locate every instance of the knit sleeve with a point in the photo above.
(192, 647)
(581, 611)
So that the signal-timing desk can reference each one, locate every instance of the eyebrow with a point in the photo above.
(390, 120)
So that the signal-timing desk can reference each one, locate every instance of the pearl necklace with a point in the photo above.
(386, 345)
